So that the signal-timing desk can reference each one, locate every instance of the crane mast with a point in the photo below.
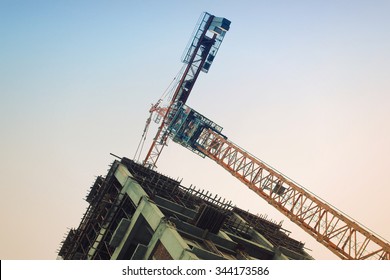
(198, 56)
(340, 234)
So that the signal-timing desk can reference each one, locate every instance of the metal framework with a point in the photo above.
(156, 184)
(339, 233)
(190, 209)
(199, 56)
(343, 236)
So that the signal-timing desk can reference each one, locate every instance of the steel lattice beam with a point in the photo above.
(343, 236)
(191, 73)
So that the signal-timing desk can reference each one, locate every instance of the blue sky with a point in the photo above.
(303, 85)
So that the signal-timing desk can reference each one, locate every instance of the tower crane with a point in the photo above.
(342, 235)
(198, 56)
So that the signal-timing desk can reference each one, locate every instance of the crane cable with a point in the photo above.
(143, 138)
(167, 91)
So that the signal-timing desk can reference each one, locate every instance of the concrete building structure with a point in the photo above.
(137, 213)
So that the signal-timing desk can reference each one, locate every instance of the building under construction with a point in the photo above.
(137, 213)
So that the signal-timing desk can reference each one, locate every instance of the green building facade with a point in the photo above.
(136, 213)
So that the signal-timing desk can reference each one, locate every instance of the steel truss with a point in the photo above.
(343, 236)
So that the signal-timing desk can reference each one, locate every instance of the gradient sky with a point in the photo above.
(303, 85)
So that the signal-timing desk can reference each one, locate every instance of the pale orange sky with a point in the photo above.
(303, 86)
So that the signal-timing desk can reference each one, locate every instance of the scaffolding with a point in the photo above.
(108, 206)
